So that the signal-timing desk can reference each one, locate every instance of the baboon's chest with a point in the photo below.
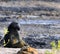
(14, 38)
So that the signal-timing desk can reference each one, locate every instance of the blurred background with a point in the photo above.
(39, 20)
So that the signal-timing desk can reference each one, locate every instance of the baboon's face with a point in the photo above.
(13, 26)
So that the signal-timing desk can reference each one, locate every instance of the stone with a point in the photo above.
(27, 50)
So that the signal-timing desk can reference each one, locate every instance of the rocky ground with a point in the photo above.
(15, 50)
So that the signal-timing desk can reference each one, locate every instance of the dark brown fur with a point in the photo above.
(12, 39)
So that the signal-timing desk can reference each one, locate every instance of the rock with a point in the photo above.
(27, 50)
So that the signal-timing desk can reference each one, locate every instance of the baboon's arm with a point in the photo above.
(23, 43)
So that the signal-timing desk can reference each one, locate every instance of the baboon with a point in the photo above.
(12, 39)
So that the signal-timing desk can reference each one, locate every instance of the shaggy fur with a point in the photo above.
(12, 39)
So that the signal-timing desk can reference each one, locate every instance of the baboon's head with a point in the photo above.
(13, 26)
